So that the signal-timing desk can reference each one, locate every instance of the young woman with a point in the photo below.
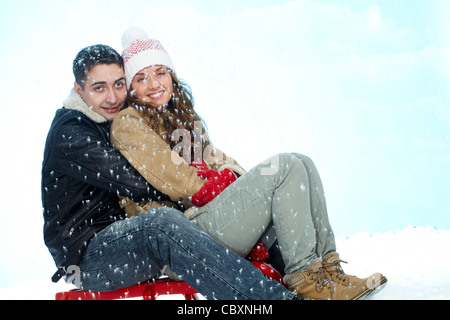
(165, 140)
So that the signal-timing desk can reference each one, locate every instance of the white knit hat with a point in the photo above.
(139, 52)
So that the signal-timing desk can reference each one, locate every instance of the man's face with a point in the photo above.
(105, 90)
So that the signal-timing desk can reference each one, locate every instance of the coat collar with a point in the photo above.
(75, 102)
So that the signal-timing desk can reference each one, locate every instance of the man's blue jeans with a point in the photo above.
(134, 250)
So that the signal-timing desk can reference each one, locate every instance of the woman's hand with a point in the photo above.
(202, 166)
(216, 182)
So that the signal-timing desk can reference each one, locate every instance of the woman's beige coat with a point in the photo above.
(163, 168)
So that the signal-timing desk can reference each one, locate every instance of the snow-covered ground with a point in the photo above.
(415, 260)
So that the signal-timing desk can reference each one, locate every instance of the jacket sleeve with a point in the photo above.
(83, 153)
(153, 157)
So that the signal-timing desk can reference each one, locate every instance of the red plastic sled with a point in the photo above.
(154, 288)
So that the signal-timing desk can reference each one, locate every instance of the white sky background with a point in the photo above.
(360, 86)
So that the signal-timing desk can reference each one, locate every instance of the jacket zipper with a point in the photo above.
(84, 219)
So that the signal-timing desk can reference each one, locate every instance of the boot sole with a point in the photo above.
(372, 291)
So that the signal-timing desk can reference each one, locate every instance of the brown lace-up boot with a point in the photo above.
(311, 283)
(361, 287)
(318, 284)
(315, 283)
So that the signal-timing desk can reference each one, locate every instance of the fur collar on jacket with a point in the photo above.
(74, 102)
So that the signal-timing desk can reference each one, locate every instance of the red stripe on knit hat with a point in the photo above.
(139, 46)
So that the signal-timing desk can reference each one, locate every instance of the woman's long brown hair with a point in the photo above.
(179, 113)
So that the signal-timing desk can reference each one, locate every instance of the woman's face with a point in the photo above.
(153, 85)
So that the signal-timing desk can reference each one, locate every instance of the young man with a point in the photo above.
(84, 225)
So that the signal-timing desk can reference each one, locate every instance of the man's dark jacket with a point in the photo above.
(82, 179)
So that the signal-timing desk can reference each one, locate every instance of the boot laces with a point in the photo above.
(336, 265)
(321, 277)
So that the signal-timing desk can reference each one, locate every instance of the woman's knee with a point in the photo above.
(303, 157)
(289, 162)
(288, 159)
(305, 160)
(308, 163)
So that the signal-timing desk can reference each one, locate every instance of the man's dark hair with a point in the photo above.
(91, 56)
